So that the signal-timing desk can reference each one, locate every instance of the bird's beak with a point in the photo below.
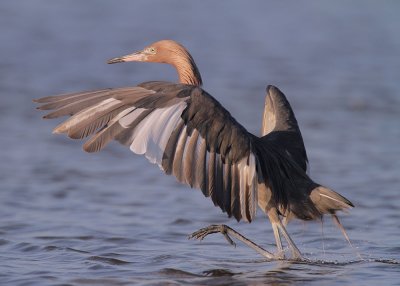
(135, 57)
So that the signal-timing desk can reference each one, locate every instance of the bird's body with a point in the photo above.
(187, 132)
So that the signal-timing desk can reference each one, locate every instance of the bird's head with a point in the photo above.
(164, 51)
(168, 52)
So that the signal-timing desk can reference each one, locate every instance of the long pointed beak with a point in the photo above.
(135, 57)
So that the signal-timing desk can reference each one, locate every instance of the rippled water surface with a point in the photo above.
(111, 218)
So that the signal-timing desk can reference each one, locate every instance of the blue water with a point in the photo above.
(111, 218)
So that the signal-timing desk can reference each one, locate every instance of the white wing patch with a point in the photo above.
(151, 135)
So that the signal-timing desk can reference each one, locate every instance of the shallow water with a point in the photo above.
(111, 218)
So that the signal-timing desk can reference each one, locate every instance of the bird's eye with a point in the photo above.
(151, 50)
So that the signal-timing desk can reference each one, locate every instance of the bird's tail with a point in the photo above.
(329, 202)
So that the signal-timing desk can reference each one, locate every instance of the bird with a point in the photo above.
(189, 134)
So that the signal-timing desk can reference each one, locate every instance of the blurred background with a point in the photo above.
(112, 218)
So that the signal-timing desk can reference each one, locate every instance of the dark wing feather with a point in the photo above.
(280, 126)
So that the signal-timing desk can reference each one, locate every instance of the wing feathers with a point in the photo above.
(211, 177)
(88, 114)
(108, 133)
(170, 149)
(235, 193)
(179, 127)
(191, 158)
(219, 183)
(74, 107)
(88, 127)
(201, 167)
(74, 103)
(70, 96)
(227, 185)
(180, 148)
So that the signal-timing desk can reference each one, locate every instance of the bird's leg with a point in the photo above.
(295, 251)
(278, 226)
(278, 241)
(274, 218)
(340, 226)
(226, 231)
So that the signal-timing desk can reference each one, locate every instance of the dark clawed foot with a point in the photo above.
(214, 228)
(225, 230)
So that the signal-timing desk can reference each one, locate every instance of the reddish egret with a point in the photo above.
(184, 130)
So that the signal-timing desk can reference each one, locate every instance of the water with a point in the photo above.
(111, 218)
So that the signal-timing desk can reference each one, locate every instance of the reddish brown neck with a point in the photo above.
(185, 66)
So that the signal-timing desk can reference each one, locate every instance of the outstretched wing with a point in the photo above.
(179, 127)
(280, 126)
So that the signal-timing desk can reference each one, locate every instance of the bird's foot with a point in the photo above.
(226, 231)
(214, 228)
(280, 255)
